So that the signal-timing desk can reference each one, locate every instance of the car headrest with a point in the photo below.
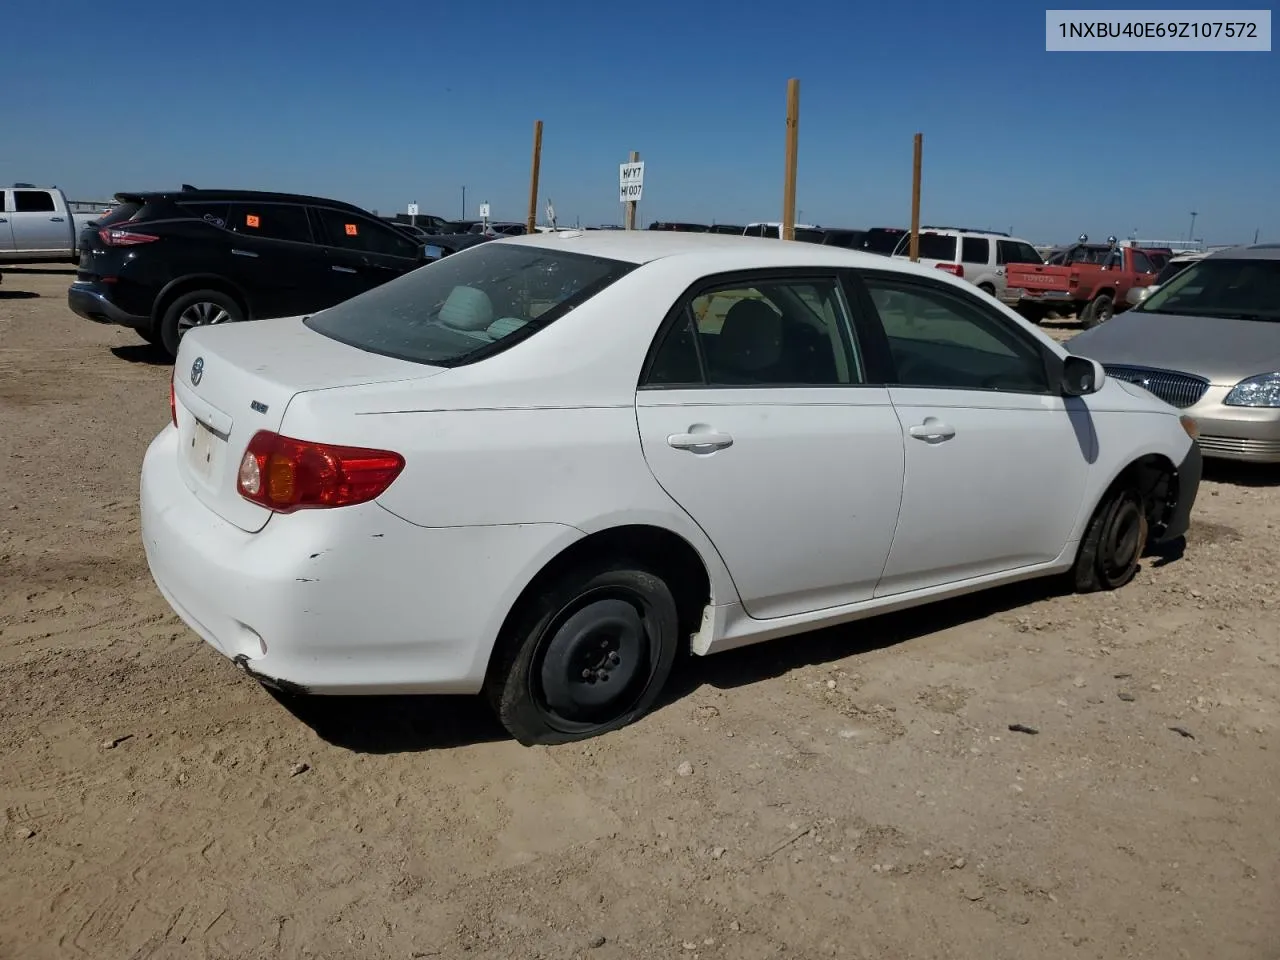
(467, 309)
(751, 337)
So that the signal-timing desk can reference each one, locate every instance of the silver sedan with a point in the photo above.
(1208, 341)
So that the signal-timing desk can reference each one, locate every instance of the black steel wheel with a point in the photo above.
(1114, 542)
(588, 654)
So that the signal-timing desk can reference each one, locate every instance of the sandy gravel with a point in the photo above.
(854, 793)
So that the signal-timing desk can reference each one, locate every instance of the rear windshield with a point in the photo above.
(1237, 289)
(881, 240)
(469, 305)
(933, 246)
(120, 212)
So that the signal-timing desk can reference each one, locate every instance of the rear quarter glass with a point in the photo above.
(119, 214)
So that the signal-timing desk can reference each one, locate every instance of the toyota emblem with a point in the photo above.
(197, 371)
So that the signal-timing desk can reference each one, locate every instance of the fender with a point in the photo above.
(214, 278)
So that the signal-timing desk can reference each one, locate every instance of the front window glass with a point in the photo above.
(464, 306)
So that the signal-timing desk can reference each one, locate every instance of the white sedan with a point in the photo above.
(540, 467)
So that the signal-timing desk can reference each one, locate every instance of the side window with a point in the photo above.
(676, 363)
(1015, 251)
(270, 221)
(351, 231)
(3, 195)
(33, 201)
(1141, 262)
(975, 250)
(213, 213)
(774, 333)
(941, 338)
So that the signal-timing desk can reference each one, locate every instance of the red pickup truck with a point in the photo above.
(1091, 279)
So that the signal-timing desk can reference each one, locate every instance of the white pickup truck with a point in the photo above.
(39, 224)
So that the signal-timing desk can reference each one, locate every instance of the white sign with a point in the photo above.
(484, 211)
(630, 182)
(413, 209)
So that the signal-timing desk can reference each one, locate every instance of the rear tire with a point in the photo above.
(587, 654)
(196, 309)
(1099, 311)
(1113, 542)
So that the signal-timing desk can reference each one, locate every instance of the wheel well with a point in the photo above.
(988, 286)
(190, 284)
(1156, 479)
(665, 553)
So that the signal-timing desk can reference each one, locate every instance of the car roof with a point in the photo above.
(1255, 251)
(644, 246)
(261, 196)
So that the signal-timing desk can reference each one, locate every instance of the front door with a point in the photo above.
(997, 461)
(755, 417)
(6, 223)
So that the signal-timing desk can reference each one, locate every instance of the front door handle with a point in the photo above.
(244, 253)
(342, 269)
(932, 430)
(55, 219)
(707, 442)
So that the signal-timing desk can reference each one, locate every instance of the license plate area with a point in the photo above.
(204, 452)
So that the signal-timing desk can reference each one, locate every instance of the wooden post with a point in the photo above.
(915, 199)
(631, 204)
(788, 231)
(533, 179)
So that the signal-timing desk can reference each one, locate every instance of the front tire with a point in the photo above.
(196, 309)
(1113, 542)
(588, 654)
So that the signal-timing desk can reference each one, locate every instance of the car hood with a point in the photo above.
(1225, 351)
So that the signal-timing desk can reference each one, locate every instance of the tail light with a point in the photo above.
(284, 475)
(124, 238)
(954, 269)
(173, 403)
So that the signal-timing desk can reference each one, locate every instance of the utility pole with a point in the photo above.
(464, 203)
(788, 231)
(630, 217)
(1191, 234)
(532, 225)
(914, 245)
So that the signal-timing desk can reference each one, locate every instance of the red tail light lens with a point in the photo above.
(952, 268)
(173, 403)
(124, 238)
(284, 475)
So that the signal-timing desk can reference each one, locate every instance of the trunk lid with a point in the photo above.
(1038, 278)
(232, 381)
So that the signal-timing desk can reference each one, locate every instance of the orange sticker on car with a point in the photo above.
(352, 230)
(251, 220)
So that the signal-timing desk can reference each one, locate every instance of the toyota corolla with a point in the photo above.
(541, 467)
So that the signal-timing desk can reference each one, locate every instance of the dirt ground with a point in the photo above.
(855, 793)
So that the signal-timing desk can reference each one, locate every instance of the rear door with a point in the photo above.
(272, 255)
(38, 225)
(361, 253)
(756, 417)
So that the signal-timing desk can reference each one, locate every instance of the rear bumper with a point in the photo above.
(346, 601)
(92, 301)
(1189, 472)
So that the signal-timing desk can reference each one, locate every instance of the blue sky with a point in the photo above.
(388, 101)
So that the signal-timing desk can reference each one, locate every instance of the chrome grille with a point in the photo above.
(1178, 389)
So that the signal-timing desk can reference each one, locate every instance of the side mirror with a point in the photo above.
(1081, 377)
(431, 252)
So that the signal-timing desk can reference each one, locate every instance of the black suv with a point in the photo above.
(165, 262)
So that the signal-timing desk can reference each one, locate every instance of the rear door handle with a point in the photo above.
(55, 219)
(932, 430)
(700, 442)
(342, 269)
(244, 253)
